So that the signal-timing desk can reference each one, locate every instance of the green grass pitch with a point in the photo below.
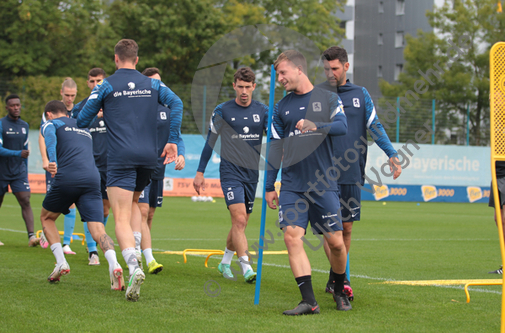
(397, 241)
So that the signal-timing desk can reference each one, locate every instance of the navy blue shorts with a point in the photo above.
(17, 185)
(87, 199)
(130, 179)
(323, 213)
(351, 195)
(103, 184)
(153, 194)
(237, 192)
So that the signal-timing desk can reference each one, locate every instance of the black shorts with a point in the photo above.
(501, 192)
(350, 194)
(87, 199)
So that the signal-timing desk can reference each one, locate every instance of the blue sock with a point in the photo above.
(347, 270)
(105, 219)
(68, 226)
(89, 239)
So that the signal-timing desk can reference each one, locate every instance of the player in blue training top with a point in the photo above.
(240, 122)
(14, 161)
(152, 196)
(68, 92)
(302, 128)
(130, 104)
(350, 150)
(76, 180)
(98, 132)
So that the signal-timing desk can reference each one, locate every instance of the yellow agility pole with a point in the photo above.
(497, 115)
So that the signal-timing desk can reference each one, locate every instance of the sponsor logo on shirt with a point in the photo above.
(133, 93)
(131, 85)
(246, 129)
(355, 102)
(23, 130)
(474, 193)
(316, 106)
(256, 118)
(101, 123)
(429, 192)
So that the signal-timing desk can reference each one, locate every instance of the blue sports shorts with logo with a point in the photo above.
(17, 185)
(295, 209)
(351, 195)
(87, 199)
(153, 194)
(130, 179)
(238, 192)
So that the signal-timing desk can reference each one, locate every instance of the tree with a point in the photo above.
(465, 32)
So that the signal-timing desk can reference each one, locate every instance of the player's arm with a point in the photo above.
(380, 136)
(337, 125)
(76, 109)
(180, 161)
(274, 158)
(25, 151)
(49, 133)
(7, 152)
(94, 103)
(168, 98)
(213, 134)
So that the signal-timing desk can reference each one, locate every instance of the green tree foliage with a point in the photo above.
(465, 32)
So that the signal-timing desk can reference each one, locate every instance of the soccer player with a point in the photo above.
(240, 122)
(361, 116)
(500, 180)
(130, 104)
(152, 196)
(68, 92)
(98, 132)
(76, 180)
(302, 126)
(14, 162)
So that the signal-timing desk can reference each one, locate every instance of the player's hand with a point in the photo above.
(305, 125)
(52, 168)
(45, 165)
(272, 199)
(199, 182)
(25, 153)
(394, 164)
(169, 153)
(180, 162)
(100, 114)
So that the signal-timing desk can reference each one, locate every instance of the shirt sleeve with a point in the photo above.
(4, 151)
(181, 147)
(169, 99)
(275, 150)
(49, 134)
(94, 104)
(338, 124)
(374, 125)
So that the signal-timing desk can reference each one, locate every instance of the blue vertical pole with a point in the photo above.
(398, 119)
(468, 124)
(433, 121)
(204, 130)
(264, 204)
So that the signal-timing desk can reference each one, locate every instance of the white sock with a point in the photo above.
(244, 262)
(227, 256)
(138, 239)
(110, 255)
(148, 254)
(58, 253)
(130, 258)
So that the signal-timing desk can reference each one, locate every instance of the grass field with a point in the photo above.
(397, 241)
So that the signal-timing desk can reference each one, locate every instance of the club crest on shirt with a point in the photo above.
(355, 102)
(316, 106)
(163, 115)
(256, 118)
(131, 85)
(23, 130)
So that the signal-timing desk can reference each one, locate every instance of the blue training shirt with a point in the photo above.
(308, 156)
(98, 132)
(163, 126)
(72, 149)
(351, 148)
(241, 131)
(130, 103)
(13, 139)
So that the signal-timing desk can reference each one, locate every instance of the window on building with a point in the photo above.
(400, 7)
(380, 40)
(398, 70)
(381, 6)
(399, 39)
(379, 71)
